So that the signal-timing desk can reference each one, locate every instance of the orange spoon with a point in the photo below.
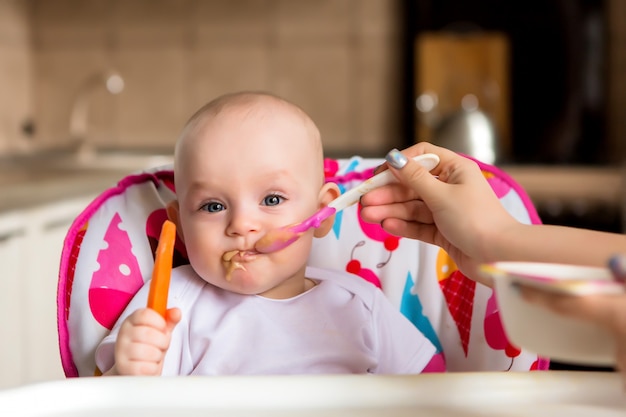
(159, 286)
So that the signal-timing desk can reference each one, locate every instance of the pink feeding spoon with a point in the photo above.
(282, 237)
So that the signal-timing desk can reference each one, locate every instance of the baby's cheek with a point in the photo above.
(297, 253)
(207, 266)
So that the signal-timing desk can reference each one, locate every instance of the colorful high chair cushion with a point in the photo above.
(109, 253)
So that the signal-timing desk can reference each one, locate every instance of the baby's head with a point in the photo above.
(247, 163)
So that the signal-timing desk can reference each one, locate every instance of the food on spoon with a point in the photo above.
(279, 237)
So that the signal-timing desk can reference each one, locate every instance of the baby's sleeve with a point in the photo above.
(401, 347)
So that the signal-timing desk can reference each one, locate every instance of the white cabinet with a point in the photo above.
(31, 242)
(12, 243)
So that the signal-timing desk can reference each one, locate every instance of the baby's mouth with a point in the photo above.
(234, 259)
(239, 256)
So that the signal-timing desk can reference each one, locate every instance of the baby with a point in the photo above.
(247, 163)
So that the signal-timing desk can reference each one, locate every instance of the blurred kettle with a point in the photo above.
(468, 131)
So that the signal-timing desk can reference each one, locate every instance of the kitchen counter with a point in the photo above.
(38, 180)
(46, 182)
(604, 185)
(24, 194)
(579, 196)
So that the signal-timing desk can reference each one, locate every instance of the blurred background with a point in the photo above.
(341, 60)
(372, 73)
(93, 89)
(535, 86)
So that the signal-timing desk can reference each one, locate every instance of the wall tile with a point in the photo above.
(16, 90)
(222, 69)
(15, 23)
(15, 74)
(377, 95)
(335, 58)
(151, 109)
(235, 21)
(151, 22)
(378, 18)
(61, 73)
(317, 78)
(71, 23)
(321, 20)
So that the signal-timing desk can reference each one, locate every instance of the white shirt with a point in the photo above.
(342, 325)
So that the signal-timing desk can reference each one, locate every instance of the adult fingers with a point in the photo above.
(410, 211)
(413, 175)
(600, 309)
(420, 231)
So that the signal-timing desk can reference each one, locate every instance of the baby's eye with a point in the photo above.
(213, 207)
(273, 200)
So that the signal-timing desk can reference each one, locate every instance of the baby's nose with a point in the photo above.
(243, 222)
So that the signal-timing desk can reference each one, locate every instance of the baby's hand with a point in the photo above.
(142, 342)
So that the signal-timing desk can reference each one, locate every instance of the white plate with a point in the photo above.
(547, 333)
(514, 394)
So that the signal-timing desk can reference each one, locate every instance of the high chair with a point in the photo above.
(109, 253)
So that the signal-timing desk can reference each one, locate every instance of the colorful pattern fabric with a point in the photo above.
(109, 253)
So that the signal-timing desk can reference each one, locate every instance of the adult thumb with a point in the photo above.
(412, 174)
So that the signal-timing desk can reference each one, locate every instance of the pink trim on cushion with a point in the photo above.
(67, 360)
(532, 211)
(352, 176)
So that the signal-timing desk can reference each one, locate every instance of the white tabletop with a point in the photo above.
(543, 393)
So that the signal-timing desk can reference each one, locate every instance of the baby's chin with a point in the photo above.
(243, 273)
(244, 281)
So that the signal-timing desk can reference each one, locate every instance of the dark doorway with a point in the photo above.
(557, 63)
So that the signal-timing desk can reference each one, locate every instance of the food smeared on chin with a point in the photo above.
(231, 264)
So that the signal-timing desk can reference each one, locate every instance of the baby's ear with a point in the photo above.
(328, 193)
(173, 214)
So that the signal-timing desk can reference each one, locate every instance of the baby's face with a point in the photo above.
(239, 178)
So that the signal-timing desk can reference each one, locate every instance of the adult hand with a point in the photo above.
(608, 311)
(452, 206)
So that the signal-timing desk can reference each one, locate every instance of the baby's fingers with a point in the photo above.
(145, 327)
(144, 352)
(157, 338)
(143, 340)
(146, 317)
(140, 360)
(172, 317)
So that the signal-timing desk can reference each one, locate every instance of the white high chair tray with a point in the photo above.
(541, 393)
